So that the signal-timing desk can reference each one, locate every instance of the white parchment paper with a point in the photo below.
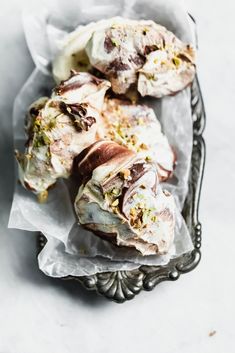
(71, 250)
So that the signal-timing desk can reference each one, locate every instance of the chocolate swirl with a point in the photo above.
(144, 54)
(59, 128)
(78, 114)
(98, 153)
(121, 199)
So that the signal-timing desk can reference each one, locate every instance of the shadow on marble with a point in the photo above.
(27, 269)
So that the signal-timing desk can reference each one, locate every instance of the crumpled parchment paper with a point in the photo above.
(71, 250)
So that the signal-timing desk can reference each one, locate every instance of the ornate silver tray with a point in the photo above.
(120, 286)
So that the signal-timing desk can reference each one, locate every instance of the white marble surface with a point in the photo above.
(40, 315)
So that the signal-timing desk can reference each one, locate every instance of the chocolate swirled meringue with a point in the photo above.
(137, 127)
(59, 128)
(72, 55)
(141, 53)
(121, 199)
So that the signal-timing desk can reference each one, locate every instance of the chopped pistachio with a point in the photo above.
(154, 218)
(39, 141)
(52, 124)
(138, 223)
(132, 222)
(134, 139)
(115, 203)
(141, 196)
(133, 211)
(148, 158)
(121, 134)
(115, 210)
(53, 104)
(176, 61)
(46, 139)
(140, 121)
(151, 77)
(145, 30)
(37, 122)
(115, 191)
(42, 197)
(143, 146)
(115, 42)
(107, 196)
(125, 173)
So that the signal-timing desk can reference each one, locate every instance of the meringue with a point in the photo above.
(58, 129)
(137, 127)
(122, 201)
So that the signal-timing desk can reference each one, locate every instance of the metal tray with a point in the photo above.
(120, 286)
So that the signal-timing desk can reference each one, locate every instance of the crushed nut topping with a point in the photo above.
(115, 203)
(125, 173)
(141, 215)
(42, 197)
(176, 61)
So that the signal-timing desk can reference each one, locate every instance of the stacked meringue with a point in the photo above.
(139, 55)
(114, 148)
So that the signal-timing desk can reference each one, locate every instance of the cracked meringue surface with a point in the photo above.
(130, 53)
(137, 127)
(122, 201)
(142, 53)
(58, 129)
